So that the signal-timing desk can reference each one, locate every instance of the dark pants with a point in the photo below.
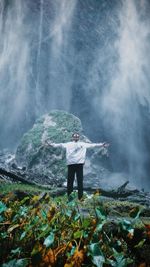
(72, 170)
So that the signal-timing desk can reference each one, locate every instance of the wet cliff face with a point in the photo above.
(90, 58)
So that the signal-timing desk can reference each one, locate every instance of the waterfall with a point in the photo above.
(90, 58)
(38, 92)
(61, 55)
(14, 65)
(129, 92)
(34, 53)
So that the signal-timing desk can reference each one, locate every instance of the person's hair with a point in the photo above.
(75, 134)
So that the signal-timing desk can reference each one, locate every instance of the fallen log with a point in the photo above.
(112, 193)
(122, 187)
(15, 177)
(18, 178)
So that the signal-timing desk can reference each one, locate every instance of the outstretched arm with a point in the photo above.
(104, 144)
(53, 144)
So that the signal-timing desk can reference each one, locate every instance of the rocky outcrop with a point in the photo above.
(49, 162)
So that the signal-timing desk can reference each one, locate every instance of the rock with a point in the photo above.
(6, 158)
(57, 126)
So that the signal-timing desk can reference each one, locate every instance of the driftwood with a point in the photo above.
(14, 176)
(120, 192)
(18, 178)
(122, 187)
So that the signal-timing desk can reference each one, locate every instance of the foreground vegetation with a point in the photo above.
(37, 230)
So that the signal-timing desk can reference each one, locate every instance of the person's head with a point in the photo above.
(75, 137)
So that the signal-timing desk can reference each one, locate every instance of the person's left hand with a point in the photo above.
(106, 145)
(46, 143)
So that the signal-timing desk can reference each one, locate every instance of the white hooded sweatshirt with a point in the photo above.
(76, 151)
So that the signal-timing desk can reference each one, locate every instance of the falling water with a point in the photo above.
(61, 51)
(130, 92)
(88, 57)
(128, 96)
(38, 65)
(14, 62)
(34, 76)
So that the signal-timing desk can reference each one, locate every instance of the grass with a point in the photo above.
(9, 187)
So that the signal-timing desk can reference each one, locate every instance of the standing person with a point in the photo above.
(75, 157)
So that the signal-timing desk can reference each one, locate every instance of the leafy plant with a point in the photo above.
(42, 232)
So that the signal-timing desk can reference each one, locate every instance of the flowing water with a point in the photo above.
(90, 58)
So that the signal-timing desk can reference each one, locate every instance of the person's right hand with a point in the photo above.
(46, 143)
(106, 145)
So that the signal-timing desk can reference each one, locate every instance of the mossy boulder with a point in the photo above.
(57, 126)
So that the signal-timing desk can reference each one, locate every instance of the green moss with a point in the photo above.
(24, 143)
(7, 187)
(64, 119)
(66, 124)
(32, 137)
(36, 135)
(58, 136)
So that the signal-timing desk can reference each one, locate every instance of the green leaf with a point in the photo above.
(49, 240)
(95, 249)
(77, 216)
(22, 235)
(16, 251)
(125, 223)
(23, 211)
(97, 255)
(78, 234)
(127, 226)
(85, 223)
(100, 213)
(140, 244)
(24, 200)
(71, 253)
(72, 250)
(44, 227)
(22, 262)
(120, 259)
(68, 213)
(1, 218)
(2, 207)
(9, 264)
(3, 235)
(99, 227)
(44, 215)
(98, 261)
(16, 263)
